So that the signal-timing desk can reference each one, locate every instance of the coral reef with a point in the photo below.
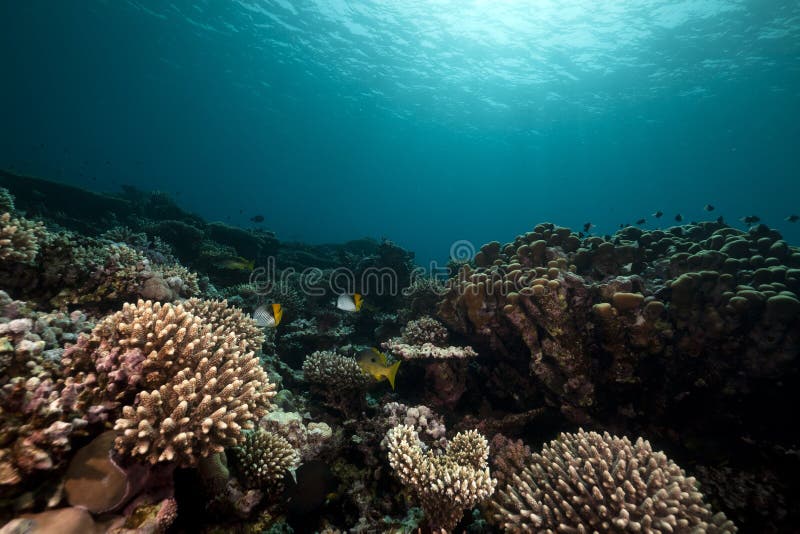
(700, 314)
(308, 439)
(264, 458)
(603, 483)
(186, 377)
(429, 426)
(445, 484)
(332, 371)
(19, 239)
(132, 407)
(424, 340)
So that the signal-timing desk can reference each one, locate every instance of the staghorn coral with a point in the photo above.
(587, 482)
(445, 484)
(188, 381)
(19, 239)
(263, 459)
(333, 371)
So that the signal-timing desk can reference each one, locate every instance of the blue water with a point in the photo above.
(424, 121)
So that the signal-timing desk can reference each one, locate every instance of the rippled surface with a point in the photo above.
(464, 59)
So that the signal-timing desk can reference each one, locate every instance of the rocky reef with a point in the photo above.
(138, 394)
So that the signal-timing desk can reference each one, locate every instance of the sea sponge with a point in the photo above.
(445, 484)
(263, 458)
(587, 482)
(19, 239)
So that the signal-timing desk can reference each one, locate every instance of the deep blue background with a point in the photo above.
(369, 124)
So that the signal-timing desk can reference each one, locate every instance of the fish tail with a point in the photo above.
(392, 373)
(251, 264)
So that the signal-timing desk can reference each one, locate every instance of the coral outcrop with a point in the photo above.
(19, 239)
(587, 482)
(264, 458)
(186, 378)
(698, 313)
(445, 484)
(332, 371)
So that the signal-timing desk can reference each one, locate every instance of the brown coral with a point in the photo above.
(333, 371)
(587, 482)
(19, 239)
(196, 380)
(445, 484)
(264, 458)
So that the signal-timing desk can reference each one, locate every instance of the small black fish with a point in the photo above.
(641, 221)
(708, 207)
(580, 235)
(587, 226)
(720, 220)
(621, 225)
(658, 214)
(679, 217)
(257, 218)
(793, 218)
(750, 219)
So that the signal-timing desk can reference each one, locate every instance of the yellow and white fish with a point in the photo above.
(373, 362)
(268, 316)
(349, 303)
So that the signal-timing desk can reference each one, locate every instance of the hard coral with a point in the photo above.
(19, 239)
(587, 482)
(187, 377)
(264, 458)
(445, 484)
(333, 371)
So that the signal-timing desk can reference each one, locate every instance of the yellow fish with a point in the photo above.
(373, 362)
(237, 264)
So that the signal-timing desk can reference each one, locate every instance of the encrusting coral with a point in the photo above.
(445, 484)
(186, 376)
(264, 458)
(587, 482)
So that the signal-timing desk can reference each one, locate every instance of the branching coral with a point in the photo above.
(19, 239)
(263, 459)
(331, 370)
(196, 381)
(587, 482)
(445, 484)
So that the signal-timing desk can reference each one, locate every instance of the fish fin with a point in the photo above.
(392, 373)
(358, 301)
(380, 355)
(277, 313)
(251, 264)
